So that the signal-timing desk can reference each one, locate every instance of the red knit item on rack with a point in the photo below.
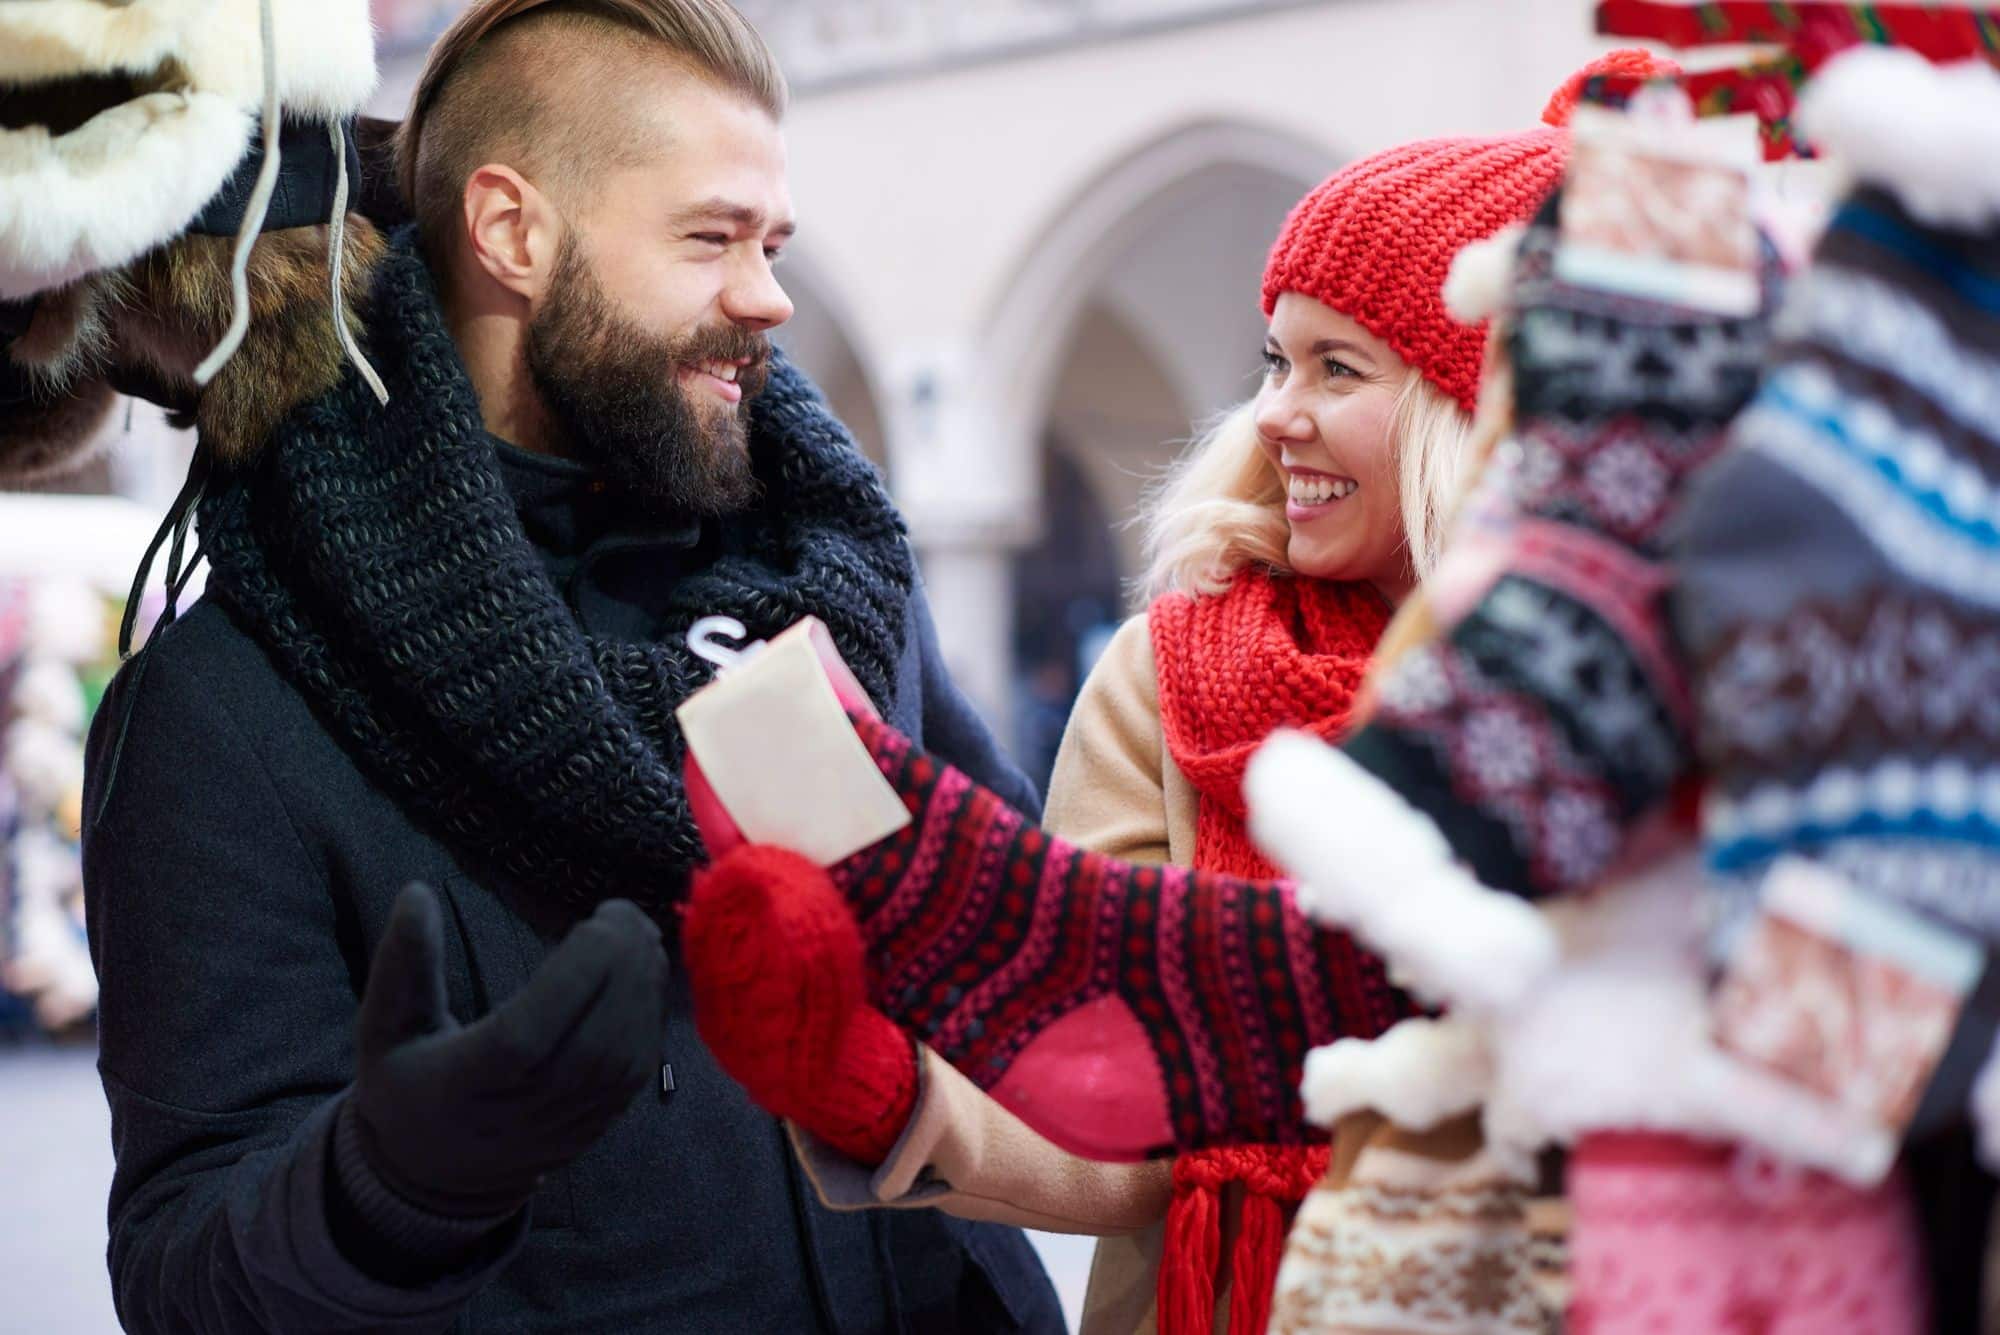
(1271, 653)
(774, 962)
(1813, 29)
(1807, 33)
(1375, 240)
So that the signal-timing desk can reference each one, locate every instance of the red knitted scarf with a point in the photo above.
(1272, 652)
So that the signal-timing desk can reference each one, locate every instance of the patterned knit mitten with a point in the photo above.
(1119, 1010)
(1546, 719)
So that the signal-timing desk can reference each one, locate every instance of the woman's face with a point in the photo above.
(1323, 419)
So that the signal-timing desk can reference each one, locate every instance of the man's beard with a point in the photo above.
(615, 391)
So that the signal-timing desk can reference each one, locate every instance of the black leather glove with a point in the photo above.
(462, 1120)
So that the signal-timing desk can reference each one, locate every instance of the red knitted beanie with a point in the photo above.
(1376, 239)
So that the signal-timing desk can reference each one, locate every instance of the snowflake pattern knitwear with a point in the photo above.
(1416, 1233)
(1375, 239)
(1851, 709)
(1549, 716)
(1120, 1010)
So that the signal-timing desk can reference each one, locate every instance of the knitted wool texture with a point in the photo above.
(377, 557)
(982, 933)
(1682, 1237)
(1375, 240)
(1270, 653)
(1838, 574)
(785, 1012)
(1547, 721)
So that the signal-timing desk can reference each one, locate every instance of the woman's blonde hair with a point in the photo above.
(1222, 506)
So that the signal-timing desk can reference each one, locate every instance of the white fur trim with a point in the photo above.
(1929, 134)
(1618, 1039)
(326, 55)
(54, 39)
(132, 177)
(125, 181)
(1481, 276)
(1368, 861)
(1416, 1074)
(326, 48)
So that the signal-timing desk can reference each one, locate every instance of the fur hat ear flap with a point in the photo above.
(54, 397)
(127, 118)
(45, 433)
(180, 303)
(292, 352)
(129, 137)
(1481, 276)
(162, 315)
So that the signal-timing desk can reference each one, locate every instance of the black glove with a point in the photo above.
(462, 1120)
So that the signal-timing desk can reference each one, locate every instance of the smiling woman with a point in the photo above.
(1343, 468)
(1278, 552)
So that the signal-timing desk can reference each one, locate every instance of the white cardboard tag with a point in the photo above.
(778, 751)
(1848, 997)
(1660, 210)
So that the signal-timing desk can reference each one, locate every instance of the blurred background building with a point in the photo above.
(1032, 234)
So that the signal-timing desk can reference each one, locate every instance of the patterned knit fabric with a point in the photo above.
(377, 556)
(1682, 1237)
(1375, 239)
(1550, 716)
(1416, 1233)
(1851, 708)
(1269, 653)
(984, 933)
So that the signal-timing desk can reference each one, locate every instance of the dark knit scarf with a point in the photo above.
(377, 556)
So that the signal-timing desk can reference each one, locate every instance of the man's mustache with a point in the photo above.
(730, 343)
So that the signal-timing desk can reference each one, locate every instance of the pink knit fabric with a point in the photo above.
(1673, 1236)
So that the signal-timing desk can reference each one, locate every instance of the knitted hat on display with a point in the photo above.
(163, 163)
(1375, 240)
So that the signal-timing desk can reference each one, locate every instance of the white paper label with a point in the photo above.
(776, 747)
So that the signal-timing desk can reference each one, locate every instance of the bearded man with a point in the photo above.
(385, 833)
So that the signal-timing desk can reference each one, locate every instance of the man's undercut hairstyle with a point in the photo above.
(534, 84)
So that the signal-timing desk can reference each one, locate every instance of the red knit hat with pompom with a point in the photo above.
(1376, 239)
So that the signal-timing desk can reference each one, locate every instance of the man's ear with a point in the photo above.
(512, 230)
